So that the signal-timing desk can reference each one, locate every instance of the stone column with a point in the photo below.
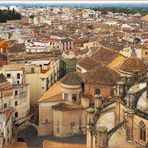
(102, 140)
(117, 111)
(89, 137)
(89, 133)
(98, 101)
(129, 128)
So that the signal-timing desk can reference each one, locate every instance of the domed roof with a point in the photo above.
(143, 103)
(133, 64)
(72, 79)
(101, 75)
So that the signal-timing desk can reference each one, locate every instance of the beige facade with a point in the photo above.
(61, 112)
(16, 94)
(71, 93)
(41, 79)
(46, 118)
(67, 123)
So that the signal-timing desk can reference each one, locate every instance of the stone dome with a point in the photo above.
(72, 79)
(133, 64)
(142, 104)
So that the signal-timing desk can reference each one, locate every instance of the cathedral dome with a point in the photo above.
(133, 64)
(72, 79)
(142, 104)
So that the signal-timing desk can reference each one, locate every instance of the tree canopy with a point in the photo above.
(9, 15)
(143, 11)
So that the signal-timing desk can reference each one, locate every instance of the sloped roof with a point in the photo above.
(101, 75)
(13, 67)
(105, 55)
(53, 93)
(72, 79)
(17, 48)
(133, 64)
(88, 63)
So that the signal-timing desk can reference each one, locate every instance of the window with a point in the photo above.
(16, 92)
(46, 120)
(18, 82)
(74, 97)
(16, 114)
(72, 125)
(97, 91)
(16, 103)
(32, 70)
(65, 96)
(5, 105)
(142, 131)
(146, 53)
(18, 75)
(42, 87)
(8, 75)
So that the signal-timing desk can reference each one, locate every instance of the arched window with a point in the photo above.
(142, 131)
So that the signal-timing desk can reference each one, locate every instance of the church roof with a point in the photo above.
(105, 55)
(17, 48)
(72, 79)
(133, 64)
(88, 63)
(101, 75)
(53, 94)
(142, 104)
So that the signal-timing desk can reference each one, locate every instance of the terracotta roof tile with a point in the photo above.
(52, 94)
(72, 79)
(101, 75)
(105, 55)
(133, 64)
(17, 48)
(88, 63)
